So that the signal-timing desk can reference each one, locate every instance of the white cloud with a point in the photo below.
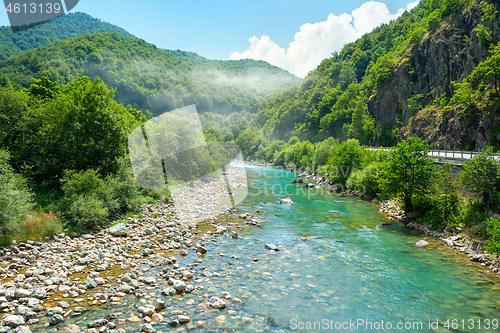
(412, 5)
(316, 41)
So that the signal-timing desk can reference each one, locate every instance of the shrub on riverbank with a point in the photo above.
(90, 199)
(367, 178)
(39, 225)
(493, 231)
(481, 174)
(15, 199)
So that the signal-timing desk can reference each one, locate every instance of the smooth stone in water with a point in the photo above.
(271, 246)
(217, 303)
(179, 285)
(421, 243)
(147, 328)
(56, 319)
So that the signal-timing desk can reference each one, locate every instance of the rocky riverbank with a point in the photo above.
(45, 285)
(464, 241)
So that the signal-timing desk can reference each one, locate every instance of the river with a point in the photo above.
(336, 270)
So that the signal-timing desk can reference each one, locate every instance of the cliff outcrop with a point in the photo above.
(449, 54)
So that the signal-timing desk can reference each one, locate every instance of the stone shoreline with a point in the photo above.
(64, 277)
(456, 238)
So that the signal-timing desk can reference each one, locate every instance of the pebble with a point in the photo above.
(217, 303)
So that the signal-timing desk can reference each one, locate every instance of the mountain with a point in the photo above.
(66, 26)
(151, 79)
(427, 95)
(404, 78)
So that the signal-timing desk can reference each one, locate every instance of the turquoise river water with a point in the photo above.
(347, 270)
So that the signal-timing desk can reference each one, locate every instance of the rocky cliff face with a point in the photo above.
(450, 54)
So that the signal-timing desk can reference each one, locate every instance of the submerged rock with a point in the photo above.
(286, 201)
(97, 323)
(56, 319)
(147, 328)
(271, 246)
(179, 285)
(421, 243)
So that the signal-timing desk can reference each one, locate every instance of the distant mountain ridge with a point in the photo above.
(66, 26)
(150, 79)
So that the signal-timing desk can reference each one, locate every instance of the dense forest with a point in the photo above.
(66, 26)
(151, 79)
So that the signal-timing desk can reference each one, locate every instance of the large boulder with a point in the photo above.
(119, 229)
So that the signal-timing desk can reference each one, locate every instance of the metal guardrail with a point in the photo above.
(447, 153)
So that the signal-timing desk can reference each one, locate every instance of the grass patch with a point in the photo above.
(39, 225)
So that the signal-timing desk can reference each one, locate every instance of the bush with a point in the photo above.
(414, 103)
(366, 179)
(440, 205)
(493, 231)
(90, 199)
(15, 199)
(481, 174)
(484, 34)
(87, 211)
(124, 190)
(40, 225)
(472, 212)
(450, 7)
(416, 36)
(87, 198)
(345, 158)
(463, 95)
(433, 20)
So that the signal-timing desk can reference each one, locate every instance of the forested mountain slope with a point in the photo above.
(457, 61)
(151, 79)
(390, 83)
(66, 26)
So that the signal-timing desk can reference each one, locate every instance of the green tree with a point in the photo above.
(14, 108)
(489, 69)
(357, 119)
(407, 172)
(481, 174)
(433, 20)
(450, 7)
(445, 193)
(91, 128)
(345, 158)
(15, 198)
(381, 71)
(44, 88)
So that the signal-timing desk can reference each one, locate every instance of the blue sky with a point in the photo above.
(222, 29)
